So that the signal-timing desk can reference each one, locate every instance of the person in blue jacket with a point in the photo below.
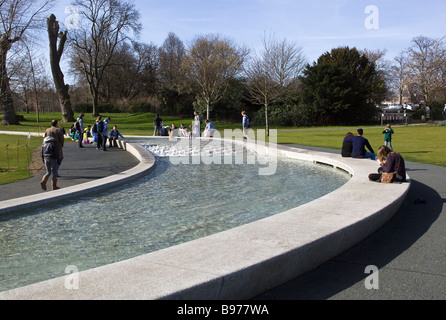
(104, 133)
(209, 130)
(245, 124)
(359, 144)
(114, 136)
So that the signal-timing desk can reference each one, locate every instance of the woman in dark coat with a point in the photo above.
(390, 162)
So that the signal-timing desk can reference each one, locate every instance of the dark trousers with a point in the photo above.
(104, 142)
(81, 136)
(99, 140)
(112, 141)
(375, 177)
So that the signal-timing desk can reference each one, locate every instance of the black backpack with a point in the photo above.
(249, 122)
(164, 132)
(95, 128)
(77, 125)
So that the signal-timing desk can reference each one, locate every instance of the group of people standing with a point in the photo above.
(98, 131)
(390, 161)
(53, 143)
(195, 127)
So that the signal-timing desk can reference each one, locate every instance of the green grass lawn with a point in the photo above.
(128, 124)
(15, 159)
(423, 143)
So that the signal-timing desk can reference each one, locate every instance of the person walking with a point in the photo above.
(79, 125)
(55, 131)
(245, 124)
(388, 132)
(157, 122)
(51, 159)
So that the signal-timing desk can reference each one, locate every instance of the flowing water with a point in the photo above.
(171, 205)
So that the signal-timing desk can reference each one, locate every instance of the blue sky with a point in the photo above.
(316, 25)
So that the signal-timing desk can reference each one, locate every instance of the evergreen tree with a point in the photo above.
(338, 88)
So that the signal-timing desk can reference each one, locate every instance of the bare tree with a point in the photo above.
(56, 51)
(400, 79)
(383, 77)
(273, 72)
(17, 17)
(132, 73)
(426, 63)
(171, 57)
(103, 26)
(211, 62)
(27, 71)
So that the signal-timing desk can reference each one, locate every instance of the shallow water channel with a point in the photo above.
(173, 204)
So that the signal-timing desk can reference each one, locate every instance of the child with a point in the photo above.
(51, 159)
(87, 134)
(388, 131)
(72, 132)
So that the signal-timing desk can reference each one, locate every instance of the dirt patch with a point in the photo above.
(36, 166)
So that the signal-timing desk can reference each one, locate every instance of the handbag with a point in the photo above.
(389, 177)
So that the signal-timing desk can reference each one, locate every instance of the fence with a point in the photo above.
(19, 153)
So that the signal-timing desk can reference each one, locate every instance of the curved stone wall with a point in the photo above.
(248, 260)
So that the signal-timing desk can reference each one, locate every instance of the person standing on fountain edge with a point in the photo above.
(246, 124)
(157, 123)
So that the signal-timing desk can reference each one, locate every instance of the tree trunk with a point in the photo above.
(58, 76)
(95, 94)
(266, 118)
(208, 107)
(7, 104)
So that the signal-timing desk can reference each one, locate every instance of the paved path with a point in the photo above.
(409, 250)
(80, 165)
